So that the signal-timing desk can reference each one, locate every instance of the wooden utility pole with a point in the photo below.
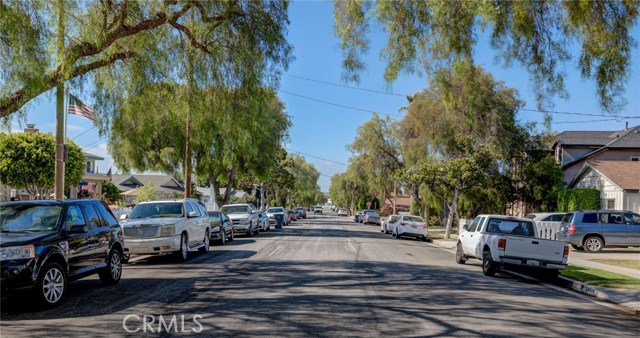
(60, 118)
(394, 197)
(190, 89)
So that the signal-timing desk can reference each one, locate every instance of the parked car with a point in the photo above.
(592, 230)
(356, 217)
(364, 213)
(44, 245)
(387, 225)
(503, 240)
(301, 212)
(317, 210)
(409, 225)
(169, 226)
(221, 227)
(244, 217)
(546, 216)
(371, 217)
(277, 214)
(343, 212)
(263, 221)
(293, 216)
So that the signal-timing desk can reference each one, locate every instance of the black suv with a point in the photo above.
(46, 244)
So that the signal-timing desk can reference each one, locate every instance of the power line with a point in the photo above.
(319, 158)
(337, 104)
(345, 86)
(84, 132)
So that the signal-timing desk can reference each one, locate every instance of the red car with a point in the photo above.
(292, 215)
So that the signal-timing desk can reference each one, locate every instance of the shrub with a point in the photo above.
(578, 199)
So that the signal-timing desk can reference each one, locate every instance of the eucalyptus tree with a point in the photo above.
(305, 186)
(538, 35)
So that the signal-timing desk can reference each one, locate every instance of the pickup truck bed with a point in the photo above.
(502, 240)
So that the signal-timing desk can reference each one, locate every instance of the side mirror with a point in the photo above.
(465, 227)
(123, 217)
(79, 229)
(192, 214)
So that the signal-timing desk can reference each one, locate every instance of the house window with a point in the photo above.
(611, 204)
(635, 158)
(88, 166)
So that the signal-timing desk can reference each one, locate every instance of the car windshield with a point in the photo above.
(413, 219)
(214, 215)
(29, 217)
(153, 210)
(274, 210)
(235, 209)
(299, 209)
(512, 227)
(394, 218)
(373, 214)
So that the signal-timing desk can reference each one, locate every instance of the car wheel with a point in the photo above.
(577, 247)
(125, 258)
(206, 242)
(113, 271)
(233, 235)
(250, 231)
(183, 253)
(488, 265)
(460, 259)
(223, 238)
(593, 244)
(51, 285)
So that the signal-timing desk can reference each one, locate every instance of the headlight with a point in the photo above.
(168, 230)
(17, 252)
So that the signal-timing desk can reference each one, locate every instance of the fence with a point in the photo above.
(548, 230)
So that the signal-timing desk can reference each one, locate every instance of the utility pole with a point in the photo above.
(60, 118)
(394, 196)
(190, 89)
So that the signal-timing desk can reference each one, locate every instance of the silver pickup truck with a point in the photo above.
(502, 240)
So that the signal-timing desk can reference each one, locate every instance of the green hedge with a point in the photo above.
(578, 199)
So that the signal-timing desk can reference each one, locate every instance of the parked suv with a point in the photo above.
(593, 230)
(244, 217)
(317, 210)
(44, 245)
(170, 226)
(301, 212)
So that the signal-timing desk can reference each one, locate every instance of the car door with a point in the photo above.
(80, 243)
(99, 231)
(613, 227)
(198, 224)
(633, 228)
(467, 237)
(111, 230)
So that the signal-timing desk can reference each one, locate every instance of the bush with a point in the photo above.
(415, 208)
(578, 199)
(434, 221)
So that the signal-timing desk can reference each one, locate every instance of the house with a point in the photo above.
(92, 180)
(403, 203)
(574, 148)
(165, 186)
(617, 181)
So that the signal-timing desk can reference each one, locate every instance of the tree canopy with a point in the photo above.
(538, 35)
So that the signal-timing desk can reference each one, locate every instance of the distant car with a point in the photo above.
(356, 217)
(244, 217)
(301, 212)
(317, 210)
(371, 217)
(546, 216)
(595, 229)
(387, 225)
(277, 214)
(364, 212)
(408, 225)
(221, 227)
(47, 244)
(292, 215)
(263, 221)
(343, 212)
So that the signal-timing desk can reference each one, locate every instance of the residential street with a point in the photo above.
(323, 276)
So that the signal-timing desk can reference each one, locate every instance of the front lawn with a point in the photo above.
(627, 263)
(597, 277)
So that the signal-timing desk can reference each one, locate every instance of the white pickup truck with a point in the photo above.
(503, 240)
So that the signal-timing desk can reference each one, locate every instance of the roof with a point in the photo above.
(623, 139)
(92, 156)
(624, 174)
(400, 200)
(585, 138)
(131, 181)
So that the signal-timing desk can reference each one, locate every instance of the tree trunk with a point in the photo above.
(452, 211)
(231, 174)
(213, 182)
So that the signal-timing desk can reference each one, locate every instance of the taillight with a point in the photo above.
(566, 251)
(391, 222)
(502, 244)
(572, 229)
(403, 223)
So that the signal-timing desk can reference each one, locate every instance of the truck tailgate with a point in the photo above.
(534, 248)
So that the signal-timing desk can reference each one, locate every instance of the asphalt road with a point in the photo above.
(324, 276)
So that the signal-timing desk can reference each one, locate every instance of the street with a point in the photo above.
(323, 276)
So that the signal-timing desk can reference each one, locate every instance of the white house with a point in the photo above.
(617, 181)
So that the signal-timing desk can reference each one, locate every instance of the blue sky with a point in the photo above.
(323, 131)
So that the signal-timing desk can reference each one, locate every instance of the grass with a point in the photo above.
(627, 263)
(597, 277)
(440, 236)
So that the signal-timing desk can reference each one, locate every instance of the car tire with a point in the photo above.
(111, 274)
(223, 238)
(460, 259)
(577, 247)
(593, 244)
(183, 253)
(233, 235)
(51, 285)
(125, 258)
(488, 265)
(206, 241)
(250, 232)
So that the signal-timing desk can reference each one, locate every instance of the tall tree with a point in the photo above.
(535, 34)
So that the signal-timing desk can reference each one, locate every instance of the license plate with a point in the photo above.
(531, 262)
(414, 226)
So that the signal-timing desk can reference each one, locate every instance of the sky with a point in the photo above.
(326, 115)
